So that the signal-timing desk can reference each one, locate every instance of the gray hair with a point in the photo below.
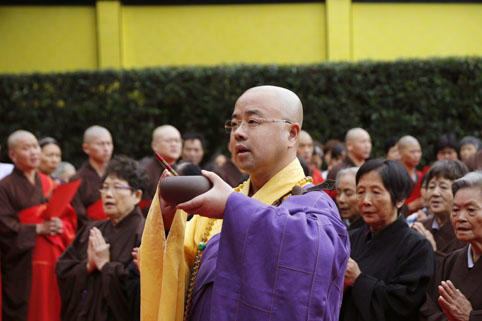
(343, 172)
(472, 179)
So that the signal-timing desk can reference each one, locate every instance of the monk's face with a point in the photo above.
(100, 148)
(260, 141)
(305, 147)
(192, 151)
(26, 154)
(50, 158)
(410, 155)
(346, 197)
(168, 144)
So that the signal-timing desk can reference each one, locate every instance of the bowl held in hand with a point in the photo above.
(180, 189)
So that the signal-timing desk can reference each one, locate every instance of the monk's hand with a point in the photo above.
(135, 256)
(212, 203)
(352, 273)
(55, 226)
(453, 303)
(422, 216)
(418, 227)
(90, 257)
(100, 248)
(52, 227)
(168, 211)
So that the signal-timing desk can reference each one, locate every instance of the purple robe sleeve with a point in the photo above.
(280, 263)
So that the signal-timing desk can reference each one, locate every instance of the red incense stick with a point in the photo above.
(166, 164)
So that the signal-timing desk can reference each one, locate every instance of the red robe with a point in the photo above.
(44, 303)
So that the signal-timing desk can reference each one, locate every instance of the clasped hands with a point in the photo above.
(210, 204)
(98, 253)
(52, 226)
(454, 304)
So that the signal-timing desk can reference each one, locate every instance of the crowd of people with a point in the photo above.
(292, 229)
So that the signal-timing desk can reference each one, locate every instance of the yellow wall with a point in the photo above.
(47, 39)
(208, 35)
(109, 35)
(390, 31)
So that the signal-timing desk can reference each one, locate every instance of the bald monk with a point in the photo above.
(29, 244)
(305, 150)
(410, 154)
(269, 250)
(359, 145)
(97, 144)
(166, 140)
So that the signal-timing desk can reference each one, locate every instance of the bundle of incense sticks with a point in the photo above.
(166, 164)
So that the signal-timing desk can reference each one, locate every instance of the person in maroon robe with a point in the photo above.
(21, 194)
(455, 293)
(92, 273)
(438, 229)
(98, 146)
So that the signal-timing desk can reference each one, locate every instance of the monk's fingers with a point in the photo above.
(445, 307)
(450, 290)
(192, 205)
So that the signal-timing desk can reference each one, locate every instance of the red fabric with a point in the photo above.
(316, 175)
(142, 205)
(416, 193)
(96, 211)
(44, 301)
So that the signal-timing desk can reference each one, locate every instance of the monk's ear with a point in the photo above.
(12, 155)
(294, 133)
(85, 148)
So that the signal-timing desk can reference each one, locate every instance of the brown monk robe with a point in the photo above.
(468, 280)
(97, 144)
(444, 237)
(21, 191)
(87, 203)
(99, 295)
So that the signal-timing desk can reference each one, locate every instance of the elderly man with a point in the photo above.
(98, 146)
(359, 145)
(29, 244)
(193, 148)
(166, 140)
(305, 150)
(410, 154)
(346, 198)
(278, 238)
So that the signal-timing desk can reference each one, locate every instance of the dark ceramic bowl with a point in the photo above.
(179, 189)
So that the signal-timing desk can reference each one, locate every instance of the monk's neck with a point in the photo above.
(357, 161)
(442, 219)
(99, 167)
(476, 251)
(30, 175)
(412, 171)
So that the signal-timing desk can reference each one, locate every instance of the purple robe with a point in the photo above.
(274, 263)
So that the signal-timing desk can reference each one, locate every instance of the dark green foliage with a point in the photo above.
(423, 98)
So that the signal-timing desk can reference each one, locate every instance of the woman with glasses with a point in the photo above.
(92, 272)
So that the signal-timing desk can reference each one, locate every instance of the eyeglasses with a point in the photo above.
(171, 141)
(115, 188)
(232, 125)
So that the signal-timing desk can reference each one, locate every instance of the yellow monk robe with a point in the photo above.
(166, 264)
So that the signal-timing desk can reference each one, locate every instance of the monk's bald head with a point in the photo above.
(93, 132)
(164, 130)
(287, 103)
(355, 133)
(407, 141)
(16, 137)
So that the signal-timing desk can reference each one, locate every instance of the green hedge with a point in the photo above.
(423, 98)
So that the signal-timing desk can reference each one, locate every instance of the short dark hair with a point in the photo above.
(444, 141)
(194, 136)
(127, 169)
(449, 169)
(338, 150)
(390, 142)
(48, 140)
(394, 177)
(470, 140)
